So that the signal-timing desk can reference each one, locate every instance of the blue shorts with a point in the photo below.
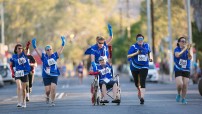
(109, 85)
(50, 79)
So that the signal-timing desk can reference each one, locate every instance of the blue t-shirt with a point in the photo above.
(20, 64)
(105, 72)
(99, 52)
(50, 65)
(80, 68)
(141, 60)
(182, 63)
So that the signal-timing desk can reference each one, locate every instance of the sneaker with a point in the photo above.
(178, 97)
(104, 101)
(142, 101)
(116, 101)
(24, 105)
(52, 104)
(184, 101)
(19, 105)
(47, 100)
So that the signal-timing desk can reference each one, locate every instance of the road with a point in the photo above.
(74, 98)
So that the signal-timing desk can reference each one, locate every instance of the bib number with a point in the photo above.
(21, 61)
(19, 73)
(80, 69)
(183, 63)
(51, 62)
(142, 58)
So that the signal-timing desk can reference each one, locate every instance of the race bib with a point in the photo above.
(142, 58)
(183, 63)
(106, 80)
(80, 69)
(51, 62)
(21, 61)
(19, 73)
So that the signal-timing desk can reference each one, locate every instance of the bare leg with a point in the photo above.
(142, 90)
(19, 90)
(104, 91)
(53, 91)
(115, 88)
(185, 86)
(179, 84)
(47, 90)
(24, 85)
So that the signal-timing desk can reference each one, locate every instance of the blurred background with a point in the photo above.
(160, 21)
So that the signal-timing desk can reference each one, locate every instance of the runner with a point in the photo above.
(80, 68)
(33, 64)
(139, 57)
(20, 69)
(50, 69)
(182, 61)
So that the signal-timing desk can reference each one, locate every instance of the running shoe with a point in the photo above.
(116, 101)
(19, 105)
(24, 105)
(142, 101)
(47, 100)
(52, 104)
(178, 97)
(184, 101)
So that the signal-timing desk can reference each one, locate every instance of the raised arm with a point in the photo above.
(178, 54)
(110, 34)
(34, 46)
(189, 53)
(62, 47)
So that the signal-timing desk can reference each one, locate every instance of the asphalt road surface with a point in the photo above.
(73, 97)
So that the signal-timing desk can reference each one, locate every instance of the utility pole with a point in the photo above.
(170, 39)
(189, 22)
(128, 19)
(152, 23)
(149, 22)
(2, 24)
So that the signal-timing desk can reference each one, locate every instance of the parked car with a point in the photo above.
(5, 72)
(152, 76)
(1, 81)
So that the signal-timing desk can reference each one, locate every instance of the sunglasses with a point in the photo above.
(140, 39)
(48, 49)
(19, 48)
(100, 43)
(183, 41)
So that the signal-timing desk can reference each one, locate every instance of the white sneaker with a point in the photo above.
(24, 105)
(19, 105)
(52, 104)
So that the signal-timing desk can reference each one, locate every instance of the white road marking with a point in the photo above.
(60, 95)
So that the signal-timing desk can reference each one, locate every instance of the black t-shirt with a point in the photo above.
(31, 60)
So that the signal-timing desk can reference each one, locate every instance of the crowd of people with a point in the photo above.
(22, 65)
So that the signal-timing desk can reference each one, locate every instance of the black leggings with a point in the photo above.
(29, 83)
(140, 75)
